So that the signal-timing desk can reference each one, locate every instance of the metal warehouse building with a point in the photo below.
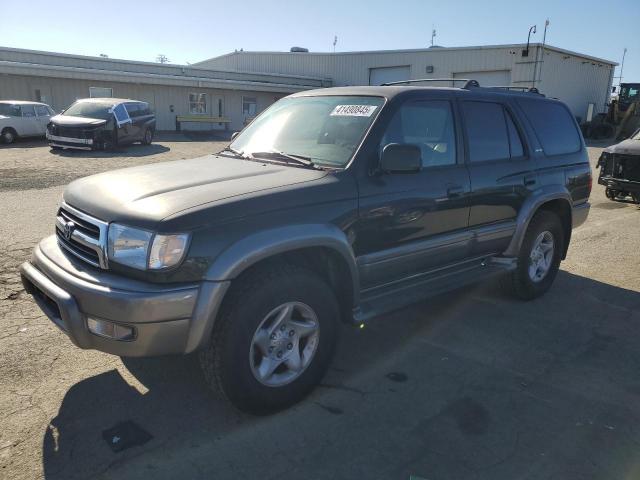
(238, 85)
(60, 79)
(577, 79)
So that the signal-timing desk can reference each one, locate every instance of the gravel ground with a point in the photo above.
(471, 385)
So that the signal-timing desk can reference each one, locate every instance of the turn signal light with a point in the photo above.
(102, 328)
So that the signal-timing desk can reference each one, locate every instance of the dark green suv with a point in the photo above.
(332, 206)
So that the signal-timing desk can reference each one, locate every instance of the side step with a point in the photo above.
(387, 298)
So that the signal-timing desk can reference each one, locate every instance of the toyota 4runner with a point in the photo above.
(332, 206)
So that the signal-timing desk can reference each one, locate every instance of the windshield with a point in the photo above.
(325, 129)
(9, 110)
(89, 110)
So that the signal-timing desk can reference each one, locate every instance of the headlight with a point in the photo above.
(143, 250)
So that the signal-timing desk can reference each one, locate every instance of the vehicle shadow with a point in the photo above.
(125, 151)
(168, 398)
(24, 143)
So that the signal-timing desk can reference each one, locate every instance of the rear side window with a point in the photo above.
(553, 125)
(486, 131)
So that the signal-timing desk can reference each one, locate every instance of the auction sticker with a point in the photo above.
(353, 110)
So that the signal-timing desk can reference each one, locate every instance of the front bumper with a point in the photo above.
(166, 319)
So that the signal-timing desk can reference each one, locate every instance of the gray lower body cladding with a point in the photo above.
(165, 320)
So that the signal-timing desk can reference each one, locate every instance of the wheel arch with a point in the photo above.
(554, 200)
(323, 249)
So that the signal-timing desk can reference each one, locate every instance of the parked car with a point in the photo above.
(102, 123)
(620, 169)
(23, 119)
(333, 205)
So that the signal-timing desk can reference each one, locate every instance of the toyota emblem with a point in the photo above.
(68, 229)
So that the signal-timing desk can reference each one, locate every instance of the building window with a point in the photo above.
(100, 92)
(249, 106)
(198, 103)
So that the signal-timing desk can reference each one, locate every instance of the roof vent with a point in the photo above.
(299, 50)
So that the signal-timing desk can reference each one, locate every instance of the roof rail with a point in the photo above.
(467, 82)
(515, 87)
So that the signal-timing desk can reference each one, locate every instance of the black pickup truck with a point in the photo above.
(332, 206)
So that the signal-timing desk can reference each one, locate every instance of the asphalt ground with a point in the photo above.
(469, 385)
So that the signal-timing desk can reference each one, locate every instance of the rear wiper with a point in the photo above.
(299, 159)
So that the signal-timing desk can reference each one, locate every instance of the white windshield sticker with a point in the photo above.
(353, 110)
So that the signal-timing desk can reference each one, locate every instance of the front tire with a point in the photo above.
(539, 257)
(274, 339)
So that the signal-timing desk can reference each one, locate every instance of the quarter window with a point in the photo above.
(249, 106)
(427, 124)
(515, 142)
(198, 103)
(553, 125)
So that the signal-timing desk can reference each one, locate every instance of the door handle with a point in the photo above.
(454, 190)
(529, 180)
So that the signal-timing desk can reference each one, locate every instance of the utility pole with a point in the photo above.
(624, 54)
(433, 35)
(335, 40)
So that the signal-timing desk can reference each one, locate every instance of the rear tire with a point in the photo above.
(147, 137)
(8, 136)
(248, 333)
(539, 257)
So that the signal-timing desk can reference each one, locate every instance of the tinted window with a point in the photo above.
(515, 142)
(89, 110)
(486, 131)
(28, 110)
(9, 110)
(133, 109)
(428, 124)
(42, 111)
(553, 125)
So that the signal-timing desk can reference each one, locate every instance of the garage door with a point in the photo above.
(378, 76)
(494, 78)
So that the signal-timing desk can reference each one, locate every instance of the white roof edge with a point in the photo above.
(414, 50)
(195, 65)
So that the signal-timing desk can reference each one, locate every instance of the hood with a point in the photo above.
(143, 196)
(2, 117)
(71, 121)
(626, 147)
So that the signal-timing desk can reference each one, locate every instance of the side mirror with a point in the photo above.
(401, 158)
(234, 135)
(613, 89)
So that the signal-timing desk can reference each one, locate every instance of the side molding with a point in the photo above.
(529, 208)
(267, 243)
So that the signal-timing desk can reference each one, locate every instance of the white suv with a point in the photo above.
(23, 119)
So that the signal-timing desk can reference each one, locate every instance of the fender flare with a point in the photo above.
(266, 243)
(528, 210)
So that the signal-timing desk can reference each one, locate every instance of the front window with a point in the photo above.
(28, 111)
(100, 111)
(9, 110)
(327, 129)
(198, 103)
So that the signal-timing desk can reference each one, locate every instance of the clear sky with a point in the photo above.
(194, 30)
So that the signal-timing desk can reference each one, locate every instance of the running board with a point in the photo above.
(387, 298)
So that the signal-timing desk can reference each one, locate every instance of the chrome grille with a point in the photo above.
(82, 235)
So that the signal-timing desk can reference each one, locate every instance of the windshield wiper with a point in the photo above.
(292, 157)
(237, 153)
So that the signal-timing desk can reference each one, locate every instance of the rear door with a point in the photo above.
(502, 171)
(413, 223)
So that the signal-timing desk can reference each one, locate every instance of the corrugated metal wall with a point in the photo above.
(63, 92)
(574, 79)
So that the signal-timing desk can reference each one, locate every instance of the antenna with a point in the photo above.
(335, 40)
(433, 35)
(161, 58)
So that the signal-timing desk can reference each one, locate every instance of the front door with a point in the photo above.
(412, 223)
(44, 115)
(502, 171)
(28, 125)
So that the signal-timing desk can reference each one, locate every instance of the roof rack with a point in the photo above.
(468, 82)
(514, 87)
